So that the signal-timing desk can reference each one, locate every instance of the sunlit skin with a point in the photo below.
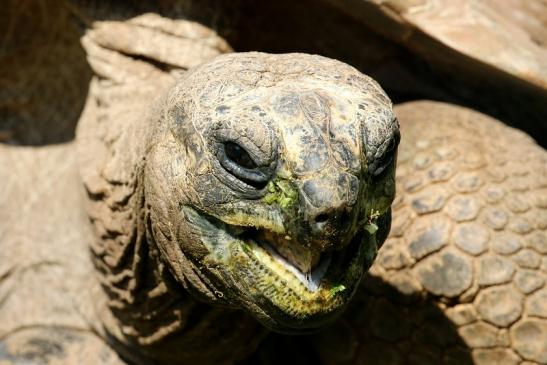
(276, 184)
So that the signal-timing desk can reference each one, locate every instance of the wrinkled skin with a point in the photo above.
(271, 178)
(57, 324)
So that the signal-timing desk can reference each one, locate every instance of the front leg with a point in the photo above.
(55, 346)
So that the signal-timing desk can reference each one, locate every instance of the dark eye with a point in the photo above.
(380, 165)
(239, 163)
(238, 154)
(383, 164)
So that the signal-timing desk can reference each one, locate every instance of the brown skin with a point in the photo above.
(461, 279)
(392, 295)
(185, 199)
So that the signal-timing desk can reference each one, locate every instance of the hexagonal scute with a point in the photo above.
(529, 338)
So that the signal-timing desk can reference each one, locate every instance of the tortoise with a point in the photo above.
(148, 304)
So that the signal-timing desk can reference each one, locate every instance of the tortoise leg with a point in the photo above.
(55, 346)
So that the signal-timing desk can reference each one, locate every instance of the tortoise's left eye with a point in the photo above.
(388, 156)
(237, 154)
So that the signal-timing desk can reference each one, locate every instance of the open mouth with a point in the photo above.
(292, 287)
(297, 266)
(308, 266)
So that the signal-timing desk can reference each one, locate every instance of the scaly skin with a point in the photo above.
(316, 127)
(317, 130)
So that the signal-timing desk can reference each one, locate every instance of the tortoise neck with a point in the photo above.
(149, 316)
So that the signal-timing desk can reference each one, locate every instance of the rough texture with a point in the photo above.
(474, 292)
(46, 258)
(144, 308)
(310, 26)
(165, 209)
(476, 242)
(47, 255)
(134, 154)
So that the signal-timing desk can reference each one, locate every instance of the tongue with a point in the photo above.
(301, 257)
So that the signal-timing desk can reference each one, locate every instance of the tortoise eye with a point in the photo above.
(237, 154)
(239, 163)
(383, 163)
(387, 157)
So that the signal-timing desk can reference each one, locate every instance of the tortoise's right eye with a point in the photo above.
(239, 155)
(238, 162)
(382, 166)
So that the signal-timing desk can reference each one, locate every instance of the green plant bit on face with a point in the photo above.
(374, 214)
(280, 192)
(246, 247)
(370, 225)
(337, 289)
(371, 228)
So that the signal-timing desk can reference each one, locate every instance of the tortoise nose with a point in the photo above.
(327, 203)
(329, 220)
(321, 220)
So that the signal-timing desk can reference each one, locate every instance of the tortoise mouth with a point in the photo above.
(308, 266)
(292, 290)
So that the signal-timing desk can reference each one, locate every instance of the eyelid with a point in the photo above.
(260, 158)
(382, 167)
(386, 158)
(257, 178)
(228, 149)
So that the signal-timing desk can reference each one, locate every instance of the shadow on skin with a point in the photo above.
(381, 326)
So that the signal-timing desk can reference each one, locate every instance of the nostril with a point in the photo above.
(321, 218)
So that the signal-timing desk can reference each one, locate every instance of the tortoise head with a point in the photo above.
(269, 180)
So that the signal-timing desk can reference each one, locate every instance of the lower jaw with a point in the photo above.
(285, 303)
(272, 294)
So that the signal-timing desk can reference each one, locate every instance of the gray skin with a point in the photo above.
(178, 219)
(322, 139)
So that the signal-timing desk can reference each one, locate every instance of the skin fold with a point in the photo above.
(257, 184)
(317, 146)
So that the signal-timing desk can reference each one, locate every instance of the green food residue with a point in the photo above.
(370, 224)
(281, 192)
(337, 289)
(371, 228)
(246, 247)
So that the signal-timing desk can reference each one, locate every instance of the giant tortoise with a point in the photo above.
(197, 208)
